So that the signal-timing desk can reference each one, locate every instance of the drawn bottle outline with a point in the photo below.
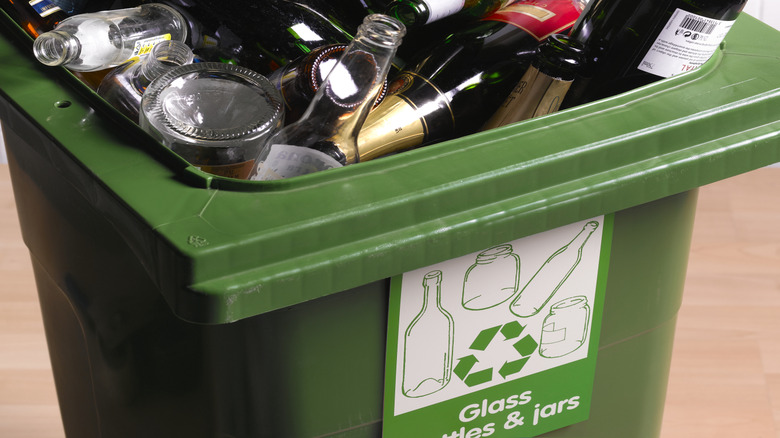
(428, 343)
(565, 329)
(552, 274)
(492, 279)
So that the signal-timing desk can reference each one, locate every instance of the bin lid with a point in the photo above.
(221, 250)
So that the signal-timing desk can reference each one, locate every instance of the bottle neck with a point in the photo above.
(432, 290)
(165, 56)
(56, 48)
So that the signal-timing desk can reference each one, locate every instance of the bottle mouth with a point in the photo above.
(493, 253)
(383, 29)
(56, 48)
(166, 55)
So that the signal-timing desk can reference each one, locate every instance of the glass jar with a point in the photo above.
(214, 115)
(565, 329)
(492, 279)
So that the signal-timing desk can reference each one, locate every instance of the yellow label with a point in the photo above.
(145, 46)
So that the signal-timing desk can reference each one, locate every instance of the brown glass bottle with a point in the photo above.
(632, 43)
(299, 80)
(34, 16)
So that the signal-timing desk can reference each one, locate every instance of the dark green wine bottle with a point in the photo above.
(453, 87)
(415, 13)
(635, 42)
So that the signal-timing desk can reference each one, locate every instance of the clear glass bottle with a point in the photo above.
(428, 343)
(492, 279)
(214, 115)
(544, 85)
(299, 80)
(565, 329)
(124, 86)
(95, 41)
(326, 135)
(552, 274)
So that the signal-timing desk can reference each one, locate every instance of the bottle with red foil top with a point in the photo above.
(452, 87)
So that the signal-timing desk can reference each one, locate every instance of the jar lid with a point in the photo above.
(212, 101)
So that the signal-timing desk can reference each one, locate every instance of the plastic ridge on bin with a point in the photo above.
(327, 232)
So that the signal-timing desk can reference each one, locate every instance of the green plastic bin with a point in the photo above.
(177, 303)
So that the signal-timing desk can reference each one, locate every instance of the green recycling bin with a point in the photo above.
(177, 303)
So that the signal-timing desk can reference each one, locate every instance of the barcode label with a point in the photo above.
(699, 24)
(686, 42)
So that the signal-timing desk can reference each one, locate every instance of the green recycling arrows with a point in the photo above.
(511, 331)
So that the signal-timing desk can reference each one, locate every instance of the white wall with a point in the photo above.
(765, 10)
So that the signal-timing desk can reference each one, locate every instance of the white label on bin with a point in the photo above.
(287, 161)
(469, 351)
(685, 43)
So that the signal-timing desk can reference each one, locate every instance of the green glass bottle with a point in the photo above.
(452, 88)
(635, 42)
(415, 13)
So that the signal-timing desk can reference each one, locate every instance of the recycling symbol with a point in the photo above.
(511, 331)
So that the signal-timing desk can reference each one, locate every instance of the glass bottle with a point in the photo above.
(34, 16)
(552, 274)
(124, 86)
(636, 42)
(428, 343)
(492, 279)
(214, 115)
(95, 41)
(415, 13)
(288, 29)
(326, 135)
(299, 80)
(544, 85)
(451, 88)
(565, 329)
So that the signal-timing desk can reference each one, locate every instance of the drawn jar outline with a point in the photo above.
(493, 278)
(565, 328)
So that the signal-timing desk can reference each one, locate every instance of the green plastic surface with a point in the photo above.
(221, 250)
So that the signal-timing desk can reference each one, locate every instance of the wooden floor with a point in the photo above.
(725, 377)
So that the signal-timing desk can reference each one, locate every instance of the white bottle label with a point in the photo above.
(687, 42)
(287, 161)
(438, 9)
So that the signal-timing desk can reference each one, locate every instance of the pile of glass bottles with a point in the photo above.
(279, 88)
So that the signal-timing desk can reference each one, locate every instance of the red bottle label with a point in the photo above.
(540, 18)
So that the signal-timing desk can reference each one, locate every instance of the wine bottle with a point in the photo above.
(124, 85)
(95, 41)
(552, 274)
(280, 30)
(428, 343)
(326, 135)
(416, 13)
(636, 42)
(299, 80)
(453, 87)
(34, 16)
(543, 87)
